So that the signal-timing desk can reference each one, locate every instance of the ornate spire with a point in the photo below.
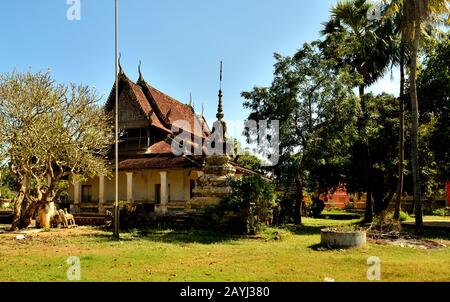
(220, 114)
(141, 78)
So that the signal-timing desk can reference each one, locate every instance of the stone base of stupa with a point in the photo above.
(213, 186)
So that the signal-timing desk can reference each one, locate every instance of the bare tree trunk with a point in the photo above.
(45, 215)
(24, 209)
(415, 133)
(401, 149)
(18, 209)
(299, 202)
(368, 214)
(27, 214)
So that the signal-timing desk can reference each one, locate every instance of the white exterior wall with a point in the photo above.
(143, 186)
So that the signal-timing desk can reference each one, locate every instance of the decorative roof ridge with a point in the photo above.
(151, 99)
(141, 77)
(122, 76)
(146, 88)
(127, 81)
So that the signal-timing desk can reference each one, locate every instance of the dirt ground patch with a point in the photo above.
(407, 241)
(32, 233)
(42, 241)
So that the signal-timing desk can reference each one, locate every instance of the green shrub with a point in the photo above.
(440, 212)
(249, 207)
(284, 213)
(7, 193)
(350, 206)
(404, 216)
(4, 207)
(317, 208)
(273, 234)
(428, 210)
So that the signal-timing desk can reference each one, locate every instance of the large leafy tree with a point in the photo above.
(418, 14)
(49, 133)
(366, 44)
(383, 130)
(433, 88)
(315, 106)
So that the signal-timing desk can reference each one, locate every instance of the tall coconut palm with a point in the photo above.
(399, 59)
(401, 141)
(354, 39)
(418, 14)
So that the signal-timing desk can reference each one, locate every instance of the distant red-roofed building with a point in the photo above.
(337, 199)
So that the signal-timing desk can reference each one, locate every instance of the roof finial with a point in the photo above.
(120, 65)
(190, 99)
(202, 118)
(220, 114)
(141, 78)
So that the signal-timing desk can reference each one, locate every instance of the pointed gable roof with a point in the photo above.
(171, 109)
(138, 96)
(162, 110)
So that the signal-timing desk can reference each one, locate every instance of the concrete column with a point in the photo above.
(164, 189)
(162, 208)
(130, 193)
(77, 196)
(101, 193)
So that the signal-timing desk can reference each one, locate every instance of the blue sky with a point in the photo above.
(180, 43)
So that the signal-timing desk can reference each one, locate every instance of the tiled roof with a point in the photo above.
(173, 110)
(160, 148)
(139, 97)
(162, 110)
(157, 163)
(146, 107)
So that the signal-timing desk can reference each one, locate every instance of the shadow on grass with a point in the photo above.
(443, 234)
(316, 228)
(305, 229)
(319, 247)
(341, 216)
(170, 236)
(191, 236)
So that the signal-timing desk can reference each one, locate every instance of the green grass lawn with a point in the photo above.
(281, 255)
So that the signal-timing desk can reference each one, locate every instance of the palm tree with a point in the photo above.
(353, 39)
(401, 141)
(399, 58)
(417, 14)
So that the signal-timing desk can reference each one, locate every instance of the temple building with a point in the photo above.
(149, 172)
